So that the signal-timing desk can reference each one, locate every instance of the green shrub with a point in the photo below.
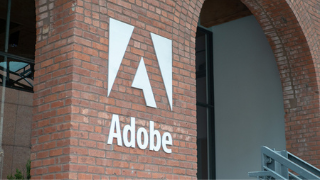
(19, 174)
(28, 166)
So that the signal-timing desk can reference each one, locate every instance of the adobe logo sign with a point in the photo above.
(119, 36)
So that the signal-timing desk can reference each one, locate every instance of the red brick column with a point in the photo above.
(96, 159)
(72, 112)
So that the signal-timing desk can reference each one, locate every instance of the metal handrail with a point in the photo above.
(16, 57)
(276, 165)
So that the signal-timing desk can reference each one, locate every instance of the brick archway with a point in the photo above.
(298, 74)
(291, 33)
(72, 113)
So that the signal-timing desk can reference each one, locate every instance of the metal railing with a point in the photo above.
(284, 165)
(16, 72)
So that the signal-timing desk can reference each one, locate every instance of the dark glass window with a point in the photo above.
(205, 108)
(17, 44)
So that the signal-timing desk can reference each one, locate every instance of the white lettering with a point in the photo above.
(115, 124)
(152, 134)
(132, 130)
(166, 142)
(115, 132)
(145, 138)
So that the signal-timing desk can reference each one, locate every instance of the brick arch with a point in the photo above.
(294, 54)
(294, 41)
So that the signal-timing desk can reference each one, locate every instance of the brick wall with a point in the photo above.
(72, 112)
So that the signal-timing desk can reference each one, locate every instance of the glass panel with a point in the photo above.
(2, 76)
(22, 28)
(201, 68)
(200, 42)
(2, 70)
(202, 137)
(205, 110)
(3, 16)
(21, 42)
(201, 77)
(20, 75)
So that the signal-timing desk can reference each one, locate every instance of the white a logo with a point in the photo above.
(119, 37)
